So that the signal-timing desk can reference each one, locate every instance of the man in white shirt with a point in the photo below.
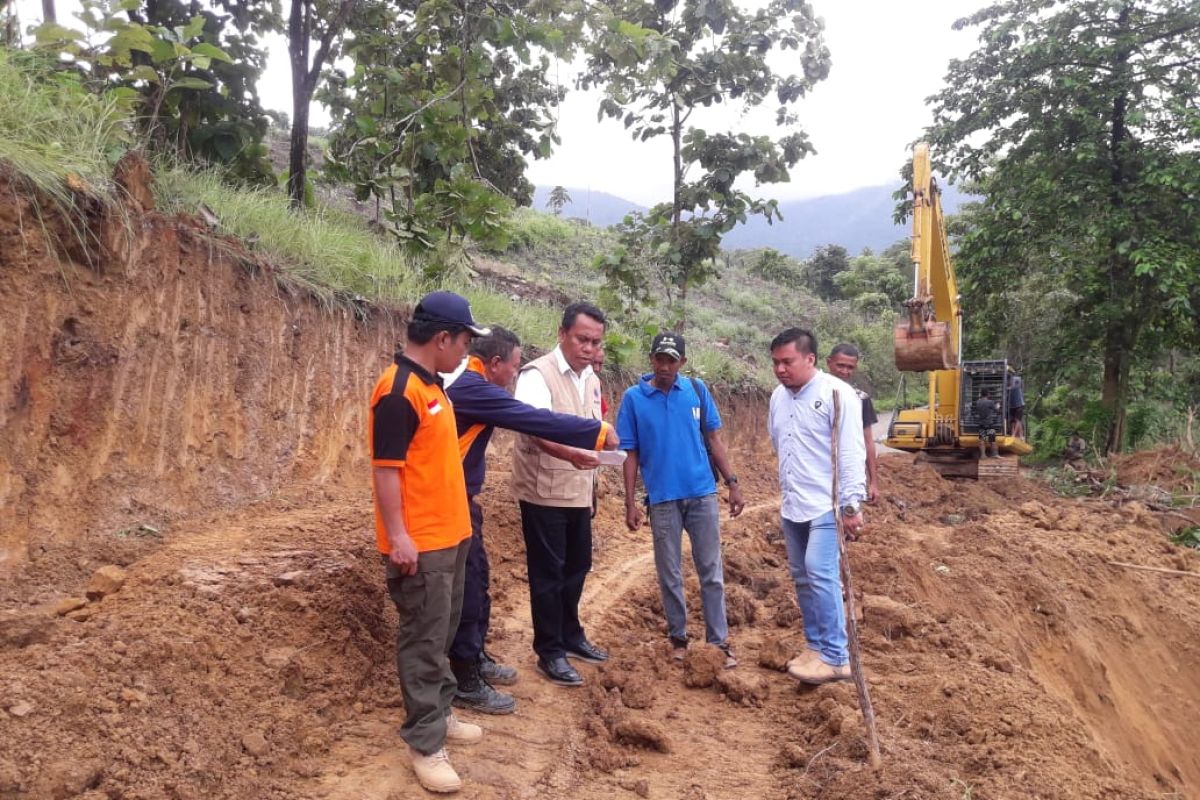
(800, 422)
(554, 485)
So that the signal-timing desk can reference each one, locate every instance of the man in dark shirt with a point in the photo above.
(481, 404)
(842, 363)
(1016, 406)
(987, 418)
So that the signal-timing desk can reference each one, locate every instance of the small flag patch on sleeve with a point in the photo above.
(435, 406)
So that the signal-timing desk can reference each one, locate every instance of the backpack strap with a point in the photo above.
(700, 398)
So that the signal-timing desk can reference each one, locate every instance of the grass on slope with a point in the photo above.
(333, 253)
(52, 129)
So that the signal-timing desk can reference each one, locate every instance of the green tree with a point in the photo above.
(447, 97)
(822, 268)
(322, 21)
(559, 197)
(117, 50)
(226, 123)
(876, 276)
(660, 61)
(1080, 120)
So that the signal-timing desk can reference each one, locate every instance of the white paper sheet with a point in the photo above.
(612, 458)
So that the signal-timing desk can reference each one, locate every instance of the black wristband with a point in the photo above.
(731, 480)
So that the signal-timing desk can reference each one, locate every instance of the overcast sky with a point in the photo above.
(887, 57)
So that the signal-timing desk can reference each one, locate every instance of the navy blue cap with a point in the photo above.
(449, 308)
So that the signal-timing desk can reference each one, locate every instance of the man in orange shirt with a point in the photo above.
(422, 526)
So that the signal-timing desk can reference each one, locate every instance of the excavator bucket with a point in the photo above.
(924, 348)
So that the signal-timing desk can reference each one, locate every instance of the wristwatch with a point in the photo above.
(731, 480)
(850, 510)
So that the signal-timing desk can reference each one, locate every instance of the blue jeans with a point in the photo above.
(812, 551)
(699, 517)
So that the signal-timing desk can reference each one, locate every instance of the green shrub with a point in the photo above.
(52, 127)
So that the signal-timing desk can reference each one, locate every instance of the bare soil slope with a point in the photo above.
(248, 653)
(164, 372)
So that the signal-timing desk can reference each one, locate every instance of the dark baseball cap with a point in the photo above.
(449, 308)
(668, 343)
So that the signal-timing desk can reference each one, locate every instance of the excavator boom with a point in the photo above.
(930, 339)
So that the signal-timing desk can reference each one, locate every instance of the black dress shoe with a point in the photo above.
(586, 651)
(559, 671)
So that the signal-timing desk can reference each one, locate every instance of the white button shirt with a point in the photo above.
(801, 425)
(532, 388)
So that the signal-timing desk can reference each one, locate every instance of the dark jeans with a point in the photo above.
(558, 551)
(476, 603)
(429, 604)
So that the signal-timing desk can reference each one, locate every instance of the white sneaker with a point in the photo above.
(434, 771)
(462, 732)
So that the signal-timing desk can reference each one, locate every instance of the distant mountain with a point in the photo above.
(599, 208)
(856, 219)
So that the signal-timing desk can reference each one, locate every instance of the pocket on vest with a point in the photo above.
(561, 484)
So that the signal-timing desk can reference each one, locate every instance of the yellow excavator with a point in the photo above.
(944, 432)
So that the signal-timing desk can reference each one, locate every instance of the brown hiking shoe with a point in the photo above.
(816, 672)
(462, 732)
(434, 771)
(799, 662)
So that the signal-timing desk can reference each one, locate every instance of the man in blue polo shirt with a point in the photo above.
(664, 423)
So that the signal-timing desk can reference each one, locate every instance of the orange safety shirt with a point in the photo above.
(412, 430)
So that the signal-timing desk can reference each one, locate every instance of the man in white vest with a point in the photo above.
(554, 485)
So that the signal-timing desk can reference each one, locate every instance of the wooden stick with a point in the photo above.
(856, 669)
(1161, 570)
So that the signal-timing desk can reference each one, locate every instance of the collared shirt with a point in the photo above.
(801, 426)
(481, 406)
(532, 388)
(665, 430)
(413, 430)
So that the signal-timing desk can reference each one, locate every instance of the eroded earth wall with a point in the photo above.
(173, 375)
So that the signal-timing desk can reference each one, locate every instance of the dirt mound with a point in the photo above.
(1168, 468)
(1006, 656)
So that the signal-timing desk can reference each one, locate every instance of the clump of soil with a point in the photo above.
(743, 686)
(641, 732)
(775, 653)
(702, 664)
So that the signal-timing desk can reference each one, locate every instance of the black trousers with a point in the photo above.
(558, 552)
(476, 602)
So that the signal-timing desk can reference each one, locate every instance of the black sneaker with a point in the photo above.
(559, 671)
(586, 651)
(484, 699)
(494, 672)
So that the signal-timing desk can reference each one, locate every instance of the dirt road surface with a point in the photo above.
(248, 655)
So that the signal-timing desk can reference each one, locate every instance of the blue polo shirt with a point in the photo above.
(664, 429)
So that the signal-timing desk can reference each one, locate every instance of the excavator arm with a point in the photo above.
(931, 337)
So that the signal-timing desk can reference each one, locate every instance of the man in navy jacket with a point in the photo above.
(481, 404)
